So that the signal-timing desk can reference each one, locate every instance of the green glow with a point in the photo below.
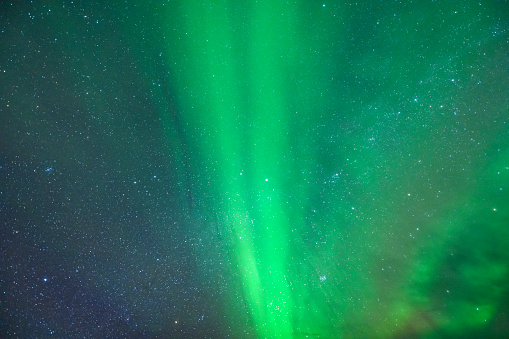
(261, 255)
(244, 111)
(320, 217)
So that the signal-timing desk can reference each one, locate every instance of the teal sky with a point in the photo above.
(254, 169)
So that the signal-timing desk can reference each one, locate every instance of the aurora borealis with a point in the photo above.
(254, 169)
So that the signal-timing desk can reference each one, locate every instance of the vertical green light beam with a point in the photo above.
(233, 83)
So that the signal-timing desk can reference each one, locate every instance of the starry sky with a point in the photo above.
(254, 169)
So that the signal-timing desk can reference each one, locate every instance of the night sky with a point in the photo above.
(254, 169)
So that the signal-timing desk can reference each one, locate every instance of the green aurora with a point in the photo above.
(338, 170)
